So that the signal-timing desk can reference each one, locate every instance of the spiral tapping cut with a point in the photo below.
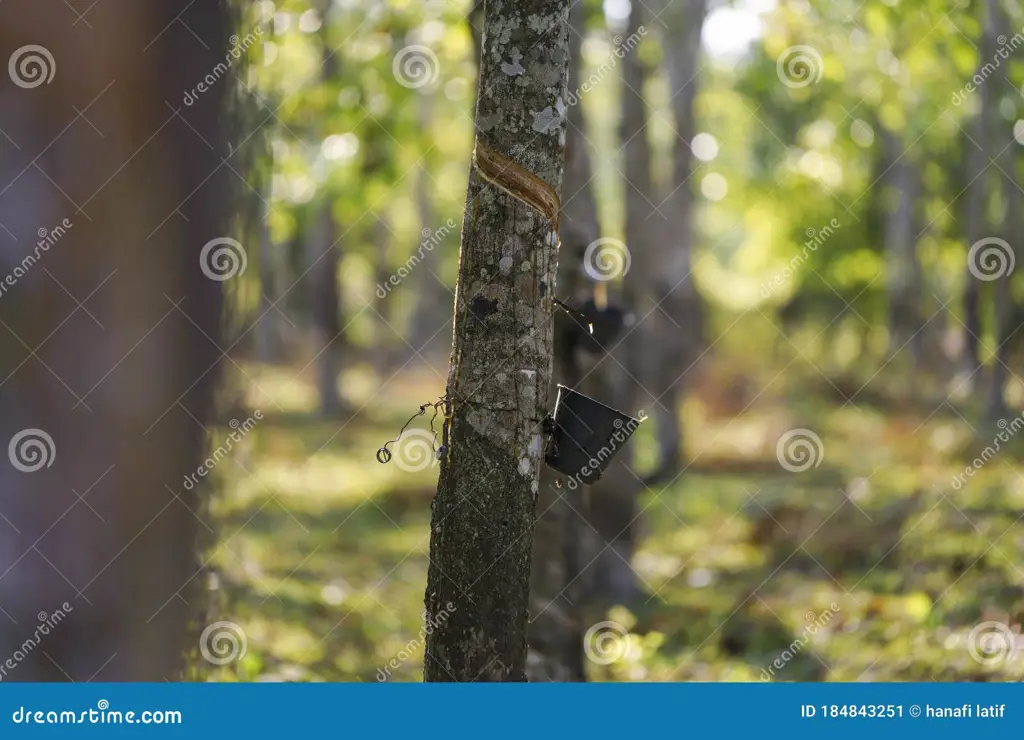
(518, 182)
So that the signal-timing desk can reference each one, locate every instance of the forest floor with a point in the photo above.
(872, 564)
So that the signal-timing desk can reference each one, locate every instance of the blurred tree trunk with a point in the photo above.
(95, 525)
(903, 186)
(1012, 231)
(270, 328)
(977, 194)
(380, 238)
(483, 514)
(613, 499)
(325, 257)
(641, 216)
(556, 629)
(432, 317)
(678, 321)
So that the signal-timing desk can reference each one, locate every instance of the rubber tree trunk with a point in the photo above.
(432, 317)
(1012, 231)
(100, 403)
(556, 629)
(483, 513)
(903, 184)
(617, 376)
(679, 318)
(325, 256)
(270, 328)
(641, 205)
(978, 152)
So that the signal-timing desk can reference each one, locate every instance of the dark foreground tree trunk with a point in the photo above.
(483, 514)
(97, 533)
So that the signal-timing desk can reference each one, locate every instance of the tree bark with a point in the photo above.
(483, 513)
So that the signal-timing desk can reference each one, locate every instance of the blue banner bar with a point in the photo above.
(520, 711)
